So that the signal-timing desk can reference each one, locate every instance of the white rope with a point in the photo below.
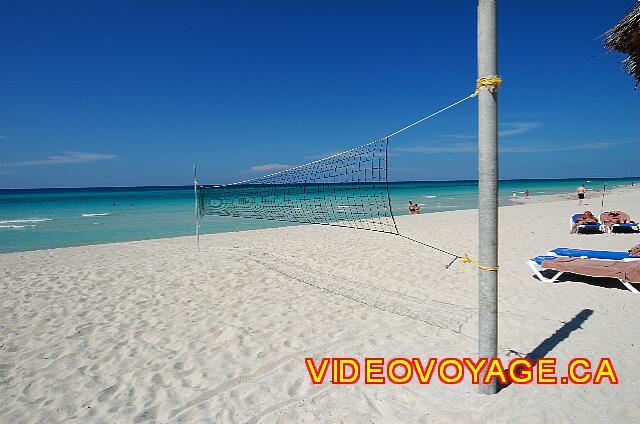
(432, 115)
(356, 148)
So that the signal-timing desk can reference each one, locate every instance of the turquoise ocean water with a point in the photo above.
(49, 218)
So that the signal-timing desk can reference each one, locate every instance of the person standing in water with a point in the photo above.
(581, 190)
(414, 208)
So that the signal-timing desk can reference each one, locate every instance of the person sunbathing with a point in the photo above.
(616, 217)
(586, 218)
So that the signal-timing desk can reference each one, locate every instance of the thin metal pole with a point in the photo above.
(488, 187)
(195, 195)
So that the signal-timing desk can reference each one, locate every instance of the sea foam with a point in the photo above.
(17, 226)
(23, 220)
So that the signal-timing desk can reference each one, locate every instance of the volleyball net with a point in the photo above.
(349, 189)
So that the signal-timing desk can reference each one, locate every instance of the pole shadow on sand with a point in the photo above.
(554, 340)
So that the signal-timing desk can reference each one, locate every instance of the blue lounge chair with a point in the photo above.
(592, 254)
(595, 227)
(621, 228)
(634, 226)
(535, 264)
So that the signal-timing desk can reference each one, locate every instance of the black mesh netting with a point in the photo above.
(348, 189)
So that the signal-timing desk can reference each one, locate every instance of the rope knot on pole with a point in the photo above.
(467, 260)
(492, 82)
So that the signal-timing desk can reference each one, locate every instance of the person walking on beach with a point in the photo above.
(526, 194)
(581, 190)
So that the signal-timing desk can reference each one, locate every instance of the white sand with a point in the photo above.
(153, 331)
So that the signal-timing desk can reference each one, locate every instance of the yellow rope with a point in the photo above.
(467, 260)
(493, 83)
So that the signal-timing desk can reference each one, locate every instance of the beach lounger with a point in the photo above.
(607, 219)
(595, 227)
(623, 227)
(627, 270)
(592, 254)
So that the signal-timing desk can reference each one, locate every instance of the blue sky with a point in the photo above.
(117, 93)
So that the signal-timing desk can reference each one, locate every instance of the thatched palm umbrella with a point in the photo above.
(625, 38)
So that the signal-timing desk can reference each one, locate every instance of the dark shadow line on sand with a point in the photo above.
(554, 340)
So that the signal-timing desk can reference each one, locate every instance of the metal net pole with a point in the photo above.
(488, 187)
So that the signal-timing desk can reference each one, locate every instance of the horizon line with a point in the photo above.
(390, 182)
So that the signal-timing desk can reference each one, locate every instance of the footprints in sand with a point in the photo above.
(149, 343)
(106, 394)
(81, 331)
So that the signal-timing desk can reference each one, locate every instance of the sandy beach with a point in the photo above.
(251, 213)
(154, 331)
